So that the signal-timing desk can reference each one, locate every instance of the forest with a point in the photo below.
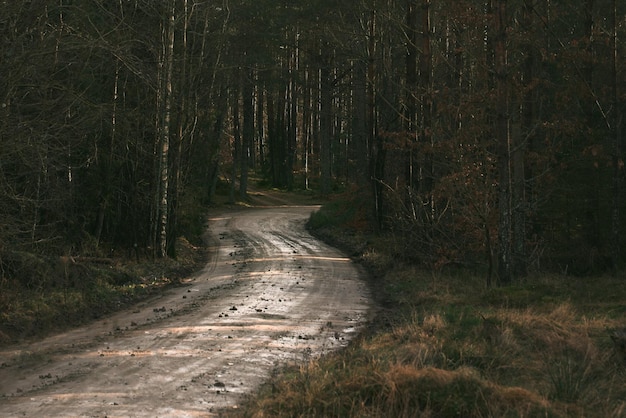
(481, 134)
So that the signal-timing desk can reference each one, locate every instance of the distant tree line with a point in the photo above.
(480, 132)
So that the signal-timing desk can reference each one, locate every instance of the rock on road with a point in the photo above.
(270, 294)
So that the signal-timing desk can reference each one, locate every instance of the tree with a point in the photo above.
(116, 116)
(502, 136)
(325, 117)
(164, 95)
(616, 157)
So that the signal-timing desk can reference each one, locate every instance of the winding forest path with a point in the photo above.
(270, 294)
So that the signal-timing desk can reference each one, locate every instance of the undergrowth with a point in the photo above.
(64, 292)
(446, 345)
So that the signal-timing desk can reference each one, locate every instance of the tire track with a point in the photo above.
(270, 294)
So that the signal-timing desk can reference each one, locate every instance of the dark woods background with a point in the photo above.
(486, 134)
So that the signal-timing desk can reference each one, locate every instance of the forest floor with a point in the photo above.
(243, 337)
(443, 343)
(270, 294)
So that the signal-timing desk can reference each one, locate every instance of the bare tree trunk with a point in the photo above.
(216, 138)
(325, 124)
(307, 114)
(523, 137)
(156, 150)
(260, 123)
(358, 147)
(247, 133)
(426, 175)
(503, 139)
(615, 145)
(272, 137)
(177, 154)
(410, 111)
(292, 112)
(236, 148)
(377, 150)
(165, 135)
(106, 189)
(593, 226)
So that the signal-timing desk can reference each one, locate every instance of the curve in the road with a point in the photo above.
(270, 294)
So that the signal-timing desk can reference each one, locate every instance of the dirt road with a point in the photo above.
(270, 294)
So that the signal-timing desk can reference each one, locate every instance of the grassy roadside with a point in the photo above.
(448, 346)
(50, 294)
(57, 293)
(82, 289)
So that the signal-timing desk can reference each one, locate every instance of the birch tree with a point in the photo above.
(165, 120)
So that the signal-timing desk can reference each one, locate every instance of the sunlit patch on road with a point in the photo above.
(271, 294)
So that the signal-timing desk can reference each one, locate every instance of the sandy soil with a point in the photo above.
(271, 294)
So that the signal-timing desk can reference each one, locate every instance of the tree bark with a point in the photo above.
(307, 115)
(410, 111)
(247, 133)
(426, 175)
(292, 122)
(377, 152)
(325, 124)
(176, 185)
(616, 159)
(106, 189)
(236, 145)
(260, 123)
(165, 134)
(523, 138)
(359, 147)
(502, 137)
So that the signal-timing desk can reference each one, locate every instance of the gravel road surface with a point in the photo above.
(271, 294)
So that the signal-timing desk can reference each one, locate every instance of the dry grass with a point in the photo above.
(447, 346)
(87, 291)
